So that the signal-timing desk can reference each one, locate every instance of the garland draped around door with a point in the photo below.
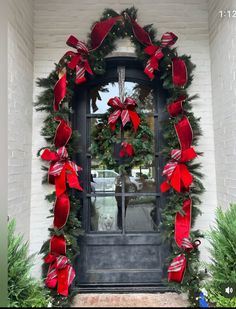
(181, 175)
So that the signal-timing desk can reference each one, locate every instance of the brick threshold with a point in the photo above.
(132, 300)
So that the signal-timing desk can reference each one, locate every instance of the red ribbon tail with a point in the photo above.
(72, 178)
(149, 71)
(186, 177)
(177, 268)
(164, 186)
(60, 182)
(176, 179)
(65, 277)
(135, 119)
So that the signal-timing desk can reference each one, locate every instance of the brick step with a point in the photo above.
(130, 300)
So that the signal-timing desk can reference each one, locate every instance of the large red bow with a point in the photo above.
(178, 175)
(60, 272)
(79, 60)
(156, 54)
(124, 111)
(61, 169)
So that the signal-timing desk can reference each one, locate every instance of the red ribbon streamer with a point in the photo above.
(63, 133)
(61, 169)
(141, 35)
(183, 223)
(101, 29)
(59, 90)
(124, 111)
(177, 173)
(176, 107)
(179, 72)
(60, 272)
(178, 265)
(126, 150)
(155, 53)
(184, 132)
(61, 210)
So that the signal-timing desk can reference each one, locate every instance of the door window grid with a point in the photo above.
(123, 195)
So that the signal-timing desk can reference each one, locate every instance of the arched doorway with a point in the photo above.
(122, 245)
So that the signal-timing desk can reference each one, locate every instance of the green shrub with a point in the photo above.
(23, 290)
(222, 269)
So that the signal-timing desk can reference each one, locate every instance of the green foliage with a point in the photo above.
(219, 301)
(23, 290)
(104, 139)
(223, 256)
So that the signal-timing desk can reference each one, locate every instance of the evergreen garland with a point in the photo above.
(96, 59)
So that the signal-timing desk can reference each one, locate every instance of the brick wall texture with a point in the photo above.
(20, 85)
(223, 70)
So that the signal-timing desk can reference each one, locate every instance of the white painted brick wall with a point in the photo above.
(55, 20)
(20, 83)
(223, 70)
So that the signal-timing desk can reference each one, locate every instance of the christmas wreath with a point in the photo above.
(182, 176)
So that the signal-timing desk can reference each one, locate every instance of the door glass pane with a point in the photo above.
(100, 95)
(104, 168)
(105, 213)
(141, 214)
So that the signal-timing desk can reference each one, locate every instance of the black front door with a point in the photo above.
(121, 214)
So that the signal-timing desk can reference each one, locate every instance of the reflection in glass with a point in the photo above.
(103, 214)
(100, 95)
(103, 179)
(142, 178)
(141, 214)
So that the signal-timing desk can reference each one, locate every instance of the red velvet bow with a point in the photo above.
(178, 175)
(60, 273)
(79, 60)
(124, 111)
(156, 54)
(61, 169)
(126, 150)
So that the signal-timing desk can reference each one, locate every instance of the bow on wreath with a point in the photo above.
(155, 53)
(61, 169)
(124, 111)
(60, 272)
(178, 175)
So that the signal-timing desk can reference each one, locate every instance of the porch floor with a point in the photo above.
(131, 300)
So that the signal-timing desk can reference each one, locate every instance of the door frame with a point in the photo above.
(79, 121)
